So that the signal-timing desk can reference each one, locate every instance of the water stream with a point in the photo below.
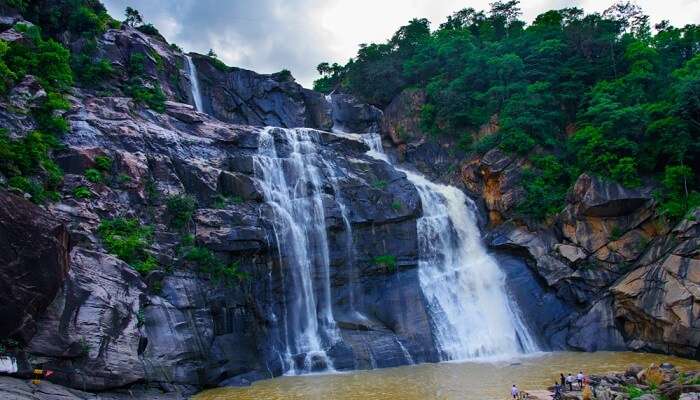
(472, 314)
(194, 82)
(292, 187)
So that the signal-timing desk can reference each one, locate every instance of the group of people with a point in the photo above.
(559, 387)
(564, 381)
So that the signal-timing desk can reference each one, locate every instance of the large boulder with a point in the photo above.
(495, 177)
(90, 333)
(401, 121)
(351, 115)
(595, 197)
(242, 96)
(34, 248)
(657, 304)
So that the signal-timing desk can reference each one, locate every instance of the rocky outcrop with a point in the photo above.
(109, 327)
(656, 305)
(90, 334)
(401, 120)
(244, 97)
(494, 178)
(350, 115)
(22, 389)
(625, 277)
(34, 261)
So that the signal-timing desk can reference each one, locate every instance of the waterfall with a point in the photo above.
(194, 83)
(292, 186)
(472, 314)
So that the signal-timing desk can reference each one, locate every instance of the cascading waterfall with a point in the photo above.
(465, 290)
(292, 189)
(194, 83)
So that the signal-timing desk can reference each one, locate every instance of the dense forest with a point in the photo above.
(573, 92)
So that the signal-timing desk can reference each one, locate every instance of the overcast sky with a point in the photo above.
(269, 35)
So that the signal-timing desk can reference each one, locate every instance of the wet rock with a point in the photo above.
(31, 239)
(238, 185)
(596, 329)
(350, 115)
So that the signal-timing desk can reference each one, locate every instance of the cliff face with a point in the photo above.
(100, 325)
(613, 274)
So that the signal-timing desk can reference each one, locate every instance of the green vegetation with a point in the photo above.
(616, 233)
(129, 240)
(221, 201)
(676, 198)
(26, 161)
(148, 93)
(396, 206)
(103, 163)
(153, 96)
(380, 184)
(79, 18)
(81, 192)
(599, 93)
(140, 317)
(180, 210)
(208, 263)
(84, 347)
(93, 175)
(386, 261)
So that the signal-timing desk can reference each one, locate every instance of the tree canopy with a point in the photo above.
(574, 92)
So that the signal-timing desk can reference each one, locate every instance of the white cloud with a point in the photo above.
(269, 35)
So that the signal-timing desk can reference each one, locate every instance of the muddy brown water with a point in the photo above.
(444, 381)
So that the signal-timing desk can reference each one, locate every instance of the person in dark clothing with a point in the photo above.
(563, 381)
(557, 391)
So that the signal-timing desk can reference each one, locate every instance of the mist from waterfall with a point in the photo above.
(292, 186)
(465, 290)
(194, 84)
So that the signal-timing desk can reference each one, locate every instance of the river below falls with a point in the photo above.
(444, 381)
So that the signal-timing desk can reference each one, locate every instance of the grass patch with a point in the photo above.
(81, 192)
(386, 261)
(180, 210)
(208, 263)
(129, 240)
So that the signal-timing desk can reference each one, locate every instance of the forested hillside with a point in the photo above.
(602, 93)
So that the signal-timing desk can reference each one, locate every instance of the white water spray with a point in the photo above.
(292, 189)
(194, 83)
(465, 290)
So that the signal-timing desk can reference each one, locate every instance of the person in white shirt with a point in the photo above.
(570, 382)
(514, 392)
(579, 379)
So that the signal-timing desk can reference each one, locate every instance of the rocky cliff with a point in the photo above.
(607, 273)
(95, 321)
(614, 273)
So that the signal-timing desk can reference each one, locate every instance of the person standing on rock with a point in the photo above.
(570, 382)
(514, 392)
(579, 379)
(563, 381)
(557, 389)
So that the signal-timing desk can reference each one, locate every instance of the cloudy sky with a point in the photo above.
(269, 35)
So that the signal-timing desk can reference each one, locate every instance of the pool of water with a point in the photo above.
(448, 381)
